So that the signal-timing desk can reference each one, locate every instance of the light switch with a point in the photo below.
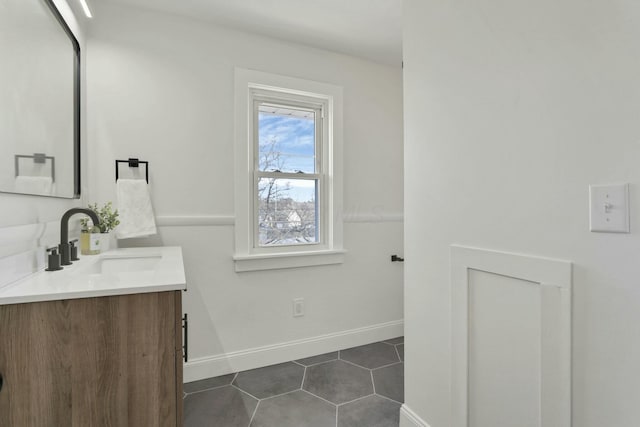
(609, 208)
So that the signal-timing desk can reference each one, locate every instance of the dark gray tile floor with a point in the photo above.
(357, 387)
(260, 382)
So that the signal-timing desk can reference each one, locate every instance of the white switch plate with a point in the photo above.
(298, 307)
(609, 208)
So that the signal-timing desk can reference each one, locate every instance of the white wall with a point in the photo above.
(161, 89)
(512, 108)
(38, 217)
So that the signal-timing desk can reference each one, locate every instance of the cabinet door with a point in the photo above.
(106, 361)
(34, 342)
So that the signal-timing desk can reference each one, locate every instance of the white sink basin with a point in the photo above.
(123, 264)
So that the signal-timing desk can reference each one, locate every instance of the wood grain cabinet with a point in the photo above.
(107, 361)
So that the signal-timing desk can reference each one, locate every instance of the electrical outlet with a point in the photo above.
(298, 307)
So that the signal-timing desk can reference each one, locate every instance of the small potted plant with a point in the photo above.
(96, 238)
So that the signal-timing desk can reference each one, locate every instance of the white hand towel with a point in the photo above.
(134, 208)
(42, 185)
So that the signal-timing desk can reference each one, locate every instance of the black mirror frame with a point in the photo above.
(76, 98)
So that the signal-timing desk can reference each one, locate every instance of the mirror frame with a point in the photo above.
(76, 106)
(76, 99)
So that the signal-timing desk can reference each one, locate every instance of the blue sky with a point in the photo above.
(294, 138)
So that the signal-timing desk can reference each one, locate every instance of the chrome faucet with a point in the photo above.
(64, 231)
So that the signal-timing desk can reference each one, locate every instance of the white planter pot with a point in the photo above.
(108, 241)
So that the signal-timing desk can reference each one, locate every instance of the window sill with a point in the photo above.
(288, 260)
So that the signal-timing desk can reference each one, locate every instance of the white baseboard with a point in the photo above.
(213, 366)
(408, 418)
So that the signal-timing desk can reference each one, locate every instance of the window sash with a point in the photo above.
(321, 202)
(319, 223)
(287, 175)
(284, 102)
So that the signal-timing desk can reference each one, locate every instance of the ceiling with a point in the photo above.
(369, 29)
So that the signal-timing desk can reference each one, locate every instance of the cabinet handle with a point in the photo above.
(185, 347)
(1, 382)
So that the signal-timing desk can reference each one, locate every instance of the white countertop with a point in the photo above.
(142, 270)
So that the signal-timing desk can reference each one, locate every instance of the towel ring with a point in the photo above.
(134, 163)
(39, 158)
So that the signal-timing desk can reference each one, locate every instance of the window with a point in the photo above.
(288, 199)
(288, 170)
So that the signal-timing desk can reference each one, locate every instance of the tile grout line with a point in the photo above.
(355, 364)
(235, 375)
(206, 389)
(304, 375)
(388, 398)
(320, 363)
(245, 392)
(280, 395)
(355, 400)
(386, 366)
(319, 397)
(372, 381)
(255, 411)
(398, 353)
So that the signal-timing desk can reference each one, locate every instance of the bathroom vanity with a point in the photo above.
(96, 344)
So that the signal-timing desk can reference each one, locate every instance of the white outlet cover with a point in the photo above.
(609, 208)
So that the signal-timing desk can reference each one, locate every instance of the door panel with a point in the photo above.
(504, 351)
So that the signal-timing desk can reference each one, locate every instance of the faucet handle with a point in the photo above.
(53, 263)
(73, 250)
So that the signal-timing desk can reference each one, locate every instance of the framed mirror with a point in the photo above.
(39, 101)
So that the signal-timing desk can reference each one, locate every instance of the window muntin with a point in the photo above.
(288, 171)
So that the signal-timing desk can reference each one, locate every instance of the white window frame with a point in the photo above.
(319, 106)
(255, 85)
